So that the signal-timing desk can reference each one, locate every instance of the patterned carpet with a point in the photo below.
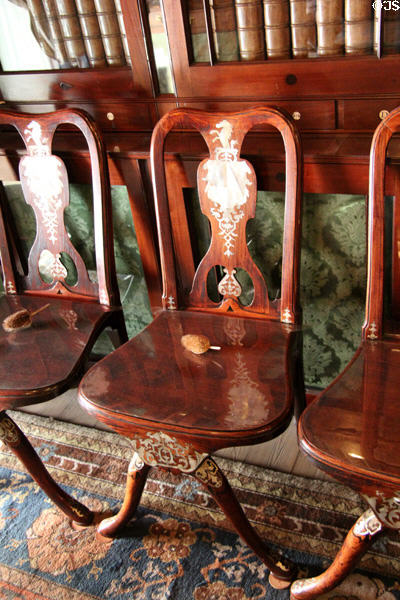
(179, 546)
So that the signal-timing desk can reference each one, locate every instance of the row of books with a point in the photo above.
(80, 33)
(259, 29)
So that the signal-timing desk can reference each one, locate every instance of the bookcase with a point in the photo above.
(337, 94)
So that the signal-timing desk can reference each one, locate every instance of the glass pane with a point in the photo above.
(160, 47)
(257, 30)
(64, 34)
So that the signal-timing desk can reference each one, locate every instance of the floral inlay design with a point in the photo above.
(9, 433)
(10, 287)
(42, 171)
(372, 332)
(367, 524)
(171, 304)
(70, 318)
(169, 540)
(209, 473)
(386, 508)
(163, 450)
(229, 285)
(245, 397)
(227, 184)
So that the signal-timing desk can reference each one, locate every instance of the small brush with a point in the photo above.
(198, 344)
(21, 319)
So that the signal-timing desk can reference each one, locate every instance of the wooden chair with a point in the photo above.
(175, 406)
(39, 362)
(352, 429)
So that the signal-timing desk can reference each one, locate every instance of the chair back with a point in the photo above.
(227, 191)
(373, 327)
(45, 186)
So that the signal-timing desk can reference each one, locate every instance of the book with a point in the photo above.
(198, 31)
(71, 32)
(330, 30)
(110, 32)
(224, 29)
(277, 31)
(91, 32)
(390, 32)
(122, 29)
(250, 28)
(304, 32)
(57, 41)
(358, 26)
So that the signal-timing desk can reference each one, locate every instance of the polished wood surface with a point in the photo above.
(39, 362)
(176, 406)
(351, 430)
(241, 392)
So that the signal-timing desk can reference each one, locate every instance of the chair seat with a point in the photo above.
(39, 362)
(353, 428)
(242, 392)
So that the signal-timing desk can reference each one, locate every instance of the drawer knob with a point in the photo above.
(296, 115)
(383, 114)
(110, 116)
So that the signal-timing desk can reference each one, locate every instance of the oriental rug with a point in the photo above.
(179, 546)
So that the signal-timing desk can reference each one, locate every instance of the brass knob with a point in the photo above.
(383, 114)
(110, 116)
(2, 101)
(296, 115)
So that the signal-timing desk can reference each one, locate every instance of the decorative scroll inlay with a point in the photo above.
(235, 331)
(163, 450)
(136, 463)
(227, 183)
(287, 316)
(386, 508)
(70, 318)
(209, 473)
(56, 268)
(10, 287)
(9, 433)
(42, 171)
(171, 304)
(244, 395)
(229, 285)
(367, 524)
(372, 332)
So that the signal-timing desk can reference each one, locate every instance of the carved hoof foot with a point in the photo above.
(109, 527)
(278, 584)
(302, 589)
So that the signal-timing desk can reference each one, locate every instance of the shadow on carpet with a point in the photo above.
(179, 546)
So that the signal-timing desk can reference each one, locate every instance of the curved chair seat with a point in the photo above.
(41, 361)
(352, 428)
(46, 358)
(347, 432)
(234, 395)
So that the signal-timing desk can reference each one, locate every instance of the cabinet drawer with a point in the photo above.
(365, 114)
(308, 114)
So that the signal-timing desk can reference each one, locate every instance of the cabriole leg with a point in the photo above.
(135, 482)
(358, 540)
(208, 473)
(14, 438)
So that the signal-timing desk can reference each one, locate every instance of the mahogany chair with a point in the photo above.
(177, 407)
(352, 429)
(39, 362)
